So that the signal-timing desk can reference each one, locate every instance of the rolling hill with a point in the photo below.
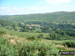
(55, 17)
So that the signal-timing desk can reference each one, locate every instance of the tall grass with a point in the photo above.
(32, 48)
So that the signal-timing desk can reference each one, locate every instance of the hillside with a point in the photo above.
(37, 34)
(55, 17)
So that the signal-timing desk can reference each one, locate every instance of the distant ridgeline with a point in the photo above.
(55, 17)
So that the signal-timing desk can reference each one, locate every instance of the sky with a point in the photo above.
(17, 7)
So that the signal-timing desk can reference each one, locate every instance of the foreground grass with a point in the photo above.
(17, 44)
(26, 48)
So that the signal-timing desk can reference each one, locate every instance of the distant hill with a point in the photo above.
(55, 17)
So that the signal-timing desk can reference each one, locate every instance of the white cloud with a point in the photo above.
(14, 10)
(57, 1)
(35, 9)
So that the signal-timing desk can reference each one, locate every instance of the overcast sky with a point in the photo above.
(14, 7)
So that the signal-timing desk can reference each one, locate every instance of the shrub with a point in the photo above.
(6, 48)
(32, 38)
(29, 48)
(37, 48)
(70, 43)
(40, 36)
(2, 32)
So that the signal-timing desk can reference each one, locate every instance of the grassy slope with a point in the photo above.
(17, 38)
(22, 34)
(25, 35)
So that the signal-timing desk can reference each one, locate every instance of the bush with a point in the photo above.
(29, 48)
(54, 36)
(40, 36)
(6, 48)
(2, 32)
(37, 48)
(69, 43)
(32, 38)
